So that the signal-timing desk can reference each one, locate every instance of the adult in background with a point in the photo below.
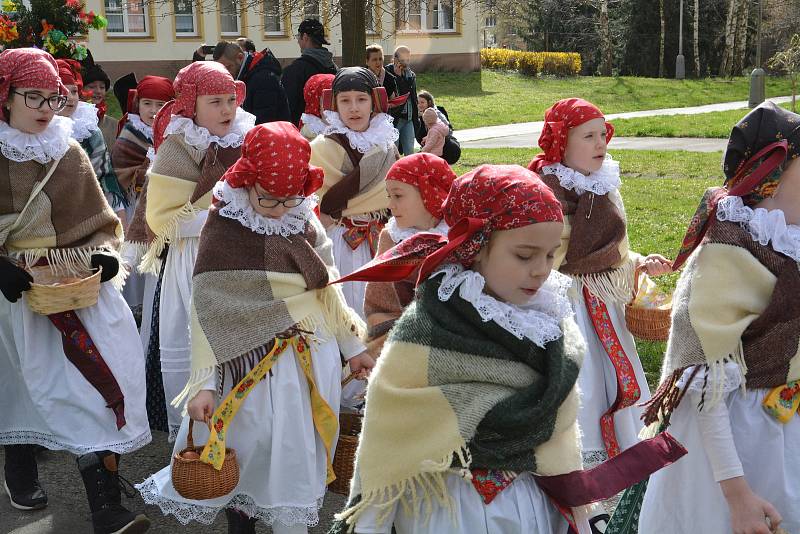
(314, 59)
(260, 71)
(246, 44)
(406, 117)
(451, 152)
(375, 64)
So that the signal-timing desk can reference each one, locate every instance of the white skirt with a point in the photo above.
(135, 283)
(684, 498)
(282, 461)
(521, 508)
(47, 401)
(348, 260)
(150, 282)
(598, 382)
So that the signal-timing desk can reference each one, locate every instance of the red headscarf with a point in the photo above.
(151, 87)
(312, 92)
(70, 72)
(275, 156)
(28, 68)
(430, 174)
(484, 200)
(558, 120)
(196, 79)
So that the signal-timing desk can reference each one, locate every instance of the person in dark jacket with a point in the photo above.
(260, 71)
(375, 64)
(314, 59)
(406, 117)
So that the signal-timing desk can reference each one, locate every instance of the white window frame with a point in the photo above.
(238, 11)
(281, 31)
(402, 25)
(371, 8)
(312, 14)
(123, 11)
(195, 20)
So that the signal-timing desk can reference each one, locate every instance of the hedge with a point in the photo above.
(532, 63)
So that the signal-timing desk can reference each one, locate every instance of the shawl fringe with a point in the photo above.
(72, 261)
(194, 384)
(339, 317)
(151, 259)
(611, 285)
(133, 252)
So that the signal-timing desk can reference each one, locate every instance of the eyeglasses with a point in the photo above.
(35, 100)
(266, 202)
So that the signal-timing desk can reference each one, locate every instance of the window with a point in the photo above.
(369, 16)
(491, 21)
(185, 18)
(273, 21)
(311, 9)
(229, 18)
(127, 18)
(425, 15)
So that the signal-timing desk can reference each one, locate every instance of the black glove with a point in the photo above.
(109, 264)
(13, 280)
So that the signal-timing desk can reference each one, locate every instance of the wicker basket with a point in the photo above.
(198, 480)
(52, 293)
(649, 324)
(344, 460)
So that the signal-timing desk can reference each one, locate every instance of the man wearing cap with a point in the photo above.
(314, 59)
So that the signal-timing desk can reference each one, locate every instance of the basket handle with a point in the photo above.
(190, 437)
(349, 379)
(637, 274)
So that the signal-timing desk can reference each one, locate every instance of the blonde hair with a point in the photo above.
(429, 115)
(374, 47)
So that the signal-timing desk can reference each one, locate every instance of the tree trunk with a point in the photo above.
(740, 50)
(354, 32)
(726, 66)
(661, 45)
(607, 60)
(697, 38)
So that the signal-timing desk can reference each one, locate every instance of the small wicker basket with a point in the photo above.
(649, 324)
(53, 293)
(198, 480)
(344, 461)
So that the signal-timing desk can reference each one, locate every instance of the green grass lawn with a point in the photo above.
(491, 97)
(661, 190)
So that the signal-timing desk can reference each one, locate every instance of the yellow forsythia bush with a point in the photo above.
(532, 63)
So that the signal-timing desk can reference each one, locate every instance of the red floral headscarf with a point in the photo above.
(558, 120)
(275, 156)
(484, 200)
(70, 72)
(430, 174)
(152, 87)
(28, 68)
(312, 92)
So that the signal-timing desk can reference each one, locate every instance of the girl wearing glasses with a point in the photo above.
(74, 380)
(263, 244)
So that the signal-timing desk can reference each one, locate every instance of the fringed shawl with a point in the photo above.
(130, 159)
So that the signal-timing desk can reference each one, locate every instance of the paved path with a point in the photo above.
(690, 144)
(68, 512)
(515, 133)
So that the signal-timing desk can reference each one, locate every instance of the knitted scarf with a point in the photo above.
(596, 241)
(248, 287)
(130, 159)
(179, 188)
(354, 181)
(736, 300)
(452, 391)
(67, 222)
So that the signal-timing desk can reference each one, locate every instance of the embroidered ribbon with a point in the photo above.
(325, 420)
(783, 402)
(628, 391)
(358, 233)
(490, 482)
(82, 352)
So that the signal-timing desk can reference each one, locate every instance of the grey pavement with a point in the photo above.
(68, 512)
(690, 144)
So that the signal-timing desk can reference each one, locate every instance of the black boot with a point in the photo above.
(103, 485)
(22, 478)
(238, 523)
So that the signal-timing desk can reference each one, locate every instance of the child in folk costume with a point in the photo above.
(130, 161)
(86, 131)
(417, 185)
(736, 323)
(72, 380)
(97, 81)
(595, 254)
(356, 151)
(197, 137)
(267, 295)
(311, 122)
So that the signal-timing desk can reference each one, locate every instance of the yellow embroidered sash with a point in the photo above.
(783, 402)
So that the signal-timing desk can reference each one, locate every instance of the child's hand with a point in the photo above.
(750, 514)
(201, 407)
(361, 364)
(656, 265)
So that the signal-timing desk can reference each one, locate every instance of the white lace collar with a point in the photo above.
(600, 182)
(238, 207)
(539, 320)
(399, 234)
(767, 227)
(200, 137)
(51, 144)
(313, 123)
(138, 124)
(84, 121)
(381, 132)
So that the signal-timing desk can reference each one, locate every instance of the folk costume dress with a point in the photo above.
(311, 122)
(285, 429)
(74, 380)
(594, 252)
(188, 162)
(729, 388)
